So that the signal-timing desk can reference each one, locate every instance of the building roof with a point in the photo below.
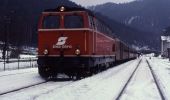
(166, 32)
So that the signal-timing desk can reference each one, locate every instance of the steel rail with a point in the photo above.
(156, 81)
(22, 88)
(123, 89)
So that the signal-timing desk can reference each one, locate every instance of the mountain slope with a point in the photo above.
(150, 16)
(19, 18)
(129, 35)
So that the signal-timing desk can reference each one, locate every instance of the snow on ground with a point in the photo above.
(25, 61)
(162, 71)
(33, 92)
(18, 65)
(21, 78)
(142, 85)
(23, 56)
(13, 72)
(103, 86)
(98, 87)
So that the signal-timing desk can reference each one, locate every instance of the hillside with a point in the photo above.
(129, 35)
(19, 18)
(149, 16)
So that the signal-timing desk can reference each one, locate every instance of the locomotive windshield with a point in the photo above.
(73, 21)
(51, 22)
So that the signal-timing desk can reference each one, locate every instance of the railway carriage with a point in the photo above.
(73, 41)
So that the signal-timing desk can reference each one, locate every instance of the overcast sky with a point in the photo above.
(95, 2)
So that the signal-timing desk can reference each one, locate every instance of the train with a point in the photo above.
(77, 43)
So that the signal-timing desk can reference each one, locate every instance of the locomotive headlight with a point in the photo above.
(77, 52)
(62, 9)
(45, 52)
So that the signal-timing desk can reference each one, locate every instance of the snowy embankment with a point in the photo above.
(161, 68)
(11, 80)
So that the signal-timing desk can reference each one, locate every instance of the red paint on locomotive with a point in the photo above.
(77, 50)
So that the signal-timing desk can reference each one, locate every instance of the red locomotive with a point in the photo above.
(73, 41)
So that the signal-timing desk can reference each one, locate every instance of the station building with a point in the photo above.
(165, 45)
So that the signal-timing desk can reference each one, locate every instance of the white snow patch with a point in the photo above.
(23, 56)
(11, 80)
(140, 47)
(33, 92)
(103, 86)
(131, 19)
(18, 65)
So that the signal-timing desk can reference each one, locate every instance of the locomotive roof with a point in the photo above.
(67, 9)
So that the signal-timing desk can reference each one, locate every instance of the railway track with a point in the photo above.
(125, 86)
(156, 82)
(33, 85)
(23, 88)
(154, 77)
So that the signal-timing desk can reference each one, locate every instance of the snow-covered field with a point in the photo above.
(103, 86)
(25, 61)
(18, 65)
(11, 80)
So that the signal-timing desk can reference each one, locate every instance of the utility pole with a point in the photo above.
(8, 22)
(4, 53)
(5, 41)
(168, 49)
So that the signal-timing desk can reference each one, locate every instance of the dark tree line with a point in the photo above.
(19, 19)
(149, 16)
(129, 35)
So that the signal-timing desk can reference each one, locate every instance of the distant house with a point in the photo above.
(165, 42)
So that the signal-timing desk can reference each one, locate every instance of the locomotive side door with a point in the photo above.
(93, 27)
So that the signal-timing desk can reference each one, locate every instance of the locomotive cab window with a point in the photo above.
(73, 21)
(51, 22)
